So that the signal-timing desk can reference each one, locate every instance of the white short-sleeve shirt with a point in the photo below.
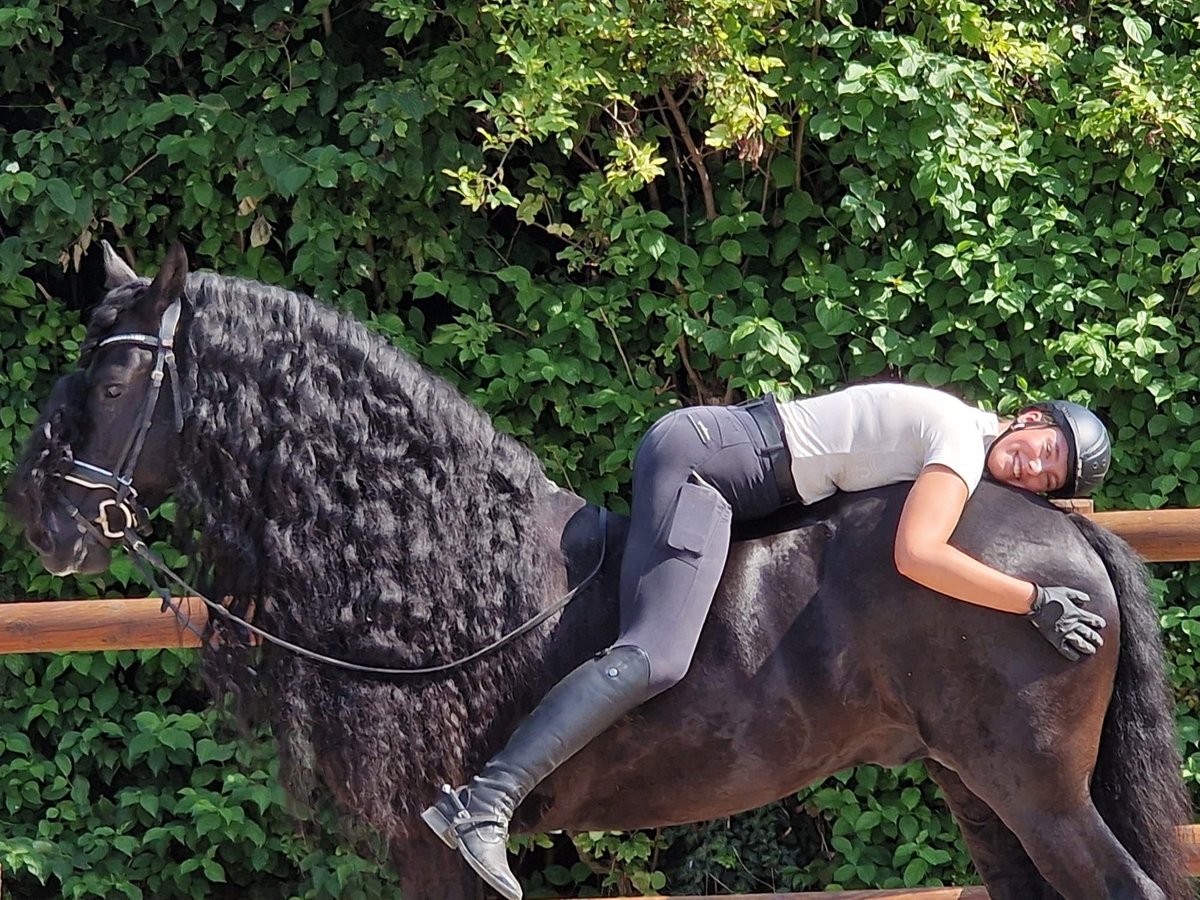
(870, 435)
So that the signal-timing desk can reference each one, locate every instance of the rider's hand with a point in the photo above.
(1072, 631)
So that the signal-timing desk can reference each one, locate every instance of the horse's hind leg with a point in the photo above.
(1003, 864)
(1080, 856)
(1046, 804)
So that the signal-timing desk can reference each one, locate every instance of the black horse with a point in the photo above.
(360, 506)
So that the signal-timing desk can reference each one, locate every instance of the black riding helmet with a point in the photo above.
(1090, 449)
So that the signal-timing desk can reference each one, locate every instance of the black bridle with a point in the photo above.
(119, 481)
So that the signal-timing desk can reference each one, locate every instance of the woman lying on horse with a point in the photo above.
(700, 469)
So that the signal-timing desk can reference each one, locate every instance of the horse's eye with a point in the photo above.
(112, 391)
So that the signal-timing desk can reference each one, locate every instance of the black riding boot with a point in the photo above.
(474, 818)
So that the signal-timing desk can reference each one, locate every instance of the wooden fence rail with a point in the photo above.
(1160, 535)
(58, 626)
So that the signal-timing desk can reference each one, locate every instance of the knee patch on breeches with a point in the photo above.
(699, 509)
(676, 591)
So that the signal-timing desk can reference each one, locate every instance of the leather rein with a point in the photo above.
(119, 482)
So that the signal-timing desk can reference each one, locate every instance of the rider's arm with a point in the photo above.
(924, 554)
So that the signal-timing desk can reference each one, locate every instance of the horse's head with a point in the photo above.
(108, 438)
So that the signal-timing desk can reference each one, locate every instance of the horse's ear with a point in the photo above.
(116, 270)
(168, 284)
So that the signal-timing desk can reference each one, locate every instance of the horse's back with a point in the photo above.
(916, 673)
(819, 655)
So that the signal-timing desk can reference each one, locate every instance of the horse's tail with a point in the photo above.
(1137, 786)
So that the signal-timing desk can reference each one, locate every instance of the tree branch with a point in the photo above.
(686, 358)
(620, 349)
(685, 134)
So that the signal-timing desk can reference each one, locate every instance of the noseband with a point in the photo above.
(119, 479)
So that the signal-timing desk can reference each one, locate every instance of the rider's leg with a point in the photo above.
(695, 470)
(679, 537)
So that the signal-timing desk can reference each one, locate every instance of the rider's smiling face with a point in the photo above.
(1032, 456)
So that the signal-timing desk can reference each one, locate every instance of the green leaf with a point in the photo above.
(122, 569)
(17, 742)
(559, 876)
(141, 744)
(653, 243)
(208, 750)
(915, 872)
(61, 195)
(934, 856)
(175, 738)
(214, 871)
(291, 179)
(105, 697)
(1137, 28)
(868, 820)
(202, 192)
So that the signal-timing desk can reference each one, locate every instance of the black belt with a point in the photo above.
(764, 411)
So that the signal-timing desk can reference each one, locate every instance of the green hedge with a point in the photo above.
(585, 214)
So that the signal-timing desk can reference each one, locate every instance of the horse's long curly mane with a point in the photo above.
(359, 506)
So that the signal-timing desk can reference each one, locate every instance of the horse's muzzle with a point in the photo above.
(64, 549)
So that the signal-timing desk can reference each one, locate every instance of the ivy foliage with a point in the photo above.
(585, 214)
(118, 780)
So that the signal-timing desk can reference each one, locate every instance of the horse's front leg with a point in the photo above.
(431, 871)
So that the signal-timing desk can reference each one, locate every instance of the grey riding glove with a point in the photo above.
(1074, 632)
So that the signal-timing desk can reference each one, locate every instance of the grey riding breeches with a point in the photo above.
(696, 471)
